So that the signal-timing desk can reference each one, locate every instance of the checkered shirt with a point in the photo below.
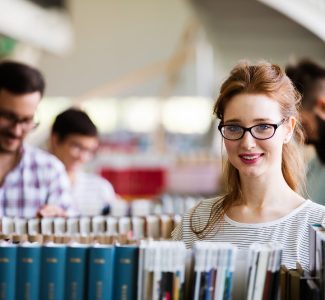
(38, 179)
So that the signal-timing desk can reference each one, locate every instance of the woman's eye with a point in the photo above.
(263, 127)
(233, 128)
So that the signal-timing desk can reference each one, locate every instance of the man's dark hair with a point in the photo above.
(73, 121)
(19, 78)
(306, 75)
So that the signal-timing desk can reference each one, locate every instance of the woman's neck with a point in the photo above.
(263, 201)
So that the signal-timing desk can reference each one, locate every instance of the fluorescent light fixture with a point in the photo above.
(140, 114)
(48, 29)
(103, 112)
(49, 108)
(187, 115)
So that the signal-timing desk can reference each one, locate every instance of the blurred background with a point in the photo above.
(147, 72)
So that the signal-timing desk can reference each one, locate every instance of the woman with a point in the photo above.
(259, 121)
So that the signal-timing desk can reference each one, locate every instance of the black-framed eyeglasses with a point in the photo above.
(9, 120)
(259, 132)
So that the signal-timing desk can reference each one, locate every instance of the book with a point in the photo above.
(29, 266)
(313, 228)
(261, 273)
(126, 272)
(53, 260)
(8, 257)
(101, 272)
(312, 290)
(76, 266)
(283, 282)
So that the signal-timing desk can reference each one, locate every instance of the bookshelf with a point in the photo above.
(98, 258)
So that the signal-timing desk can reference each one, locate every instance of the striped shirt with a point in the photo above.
(91, 193)
(291, 230)
(38, 179)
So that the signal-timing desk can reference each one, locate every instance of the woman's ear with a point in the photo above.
(320, 108)
(291, 124)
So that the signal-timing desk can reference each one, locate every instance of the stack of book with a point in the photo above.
(123, 230)
(161, 270)
(264, 267)
(152, 270)
(213, 270)
(75, 271)
(300, 284)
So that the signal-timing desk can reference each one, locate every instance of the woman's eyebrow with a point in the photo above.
(267, 120)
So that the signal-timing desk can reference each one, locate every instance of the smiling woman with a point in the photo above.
(259, 120)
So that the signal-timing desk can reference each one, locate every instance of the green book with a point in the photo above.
(53, 272)
(75, 278)
(126, 272)
(28, 275)
(101, 271)
(8, 256)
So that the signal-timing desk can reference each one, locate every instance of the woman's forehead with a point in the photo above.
(251, 107)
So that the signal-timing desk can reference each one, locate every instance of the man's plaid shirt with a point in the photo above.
(38, 179)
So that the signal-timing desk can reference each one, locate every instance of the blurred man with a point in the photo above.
(74, 140)
(33, 182)
(309, 79)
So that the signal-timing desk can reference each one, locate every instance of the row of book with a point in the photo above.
(170, 204)
(57, 271)
(301, 284)
(123, 229)
(264, 268)
(153, 270)
(213, 270)
(308, 284)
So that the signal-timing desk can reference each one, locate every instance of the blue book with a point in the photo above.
(101, 272)
(8, 257)
(53, 272)
(75, 278)
(28, 275)
(126, 272)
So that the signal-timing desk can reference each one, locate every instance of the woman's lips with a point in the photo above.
(250, 158)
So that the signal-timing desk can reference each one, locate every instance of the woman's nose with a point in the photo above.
(248, 141)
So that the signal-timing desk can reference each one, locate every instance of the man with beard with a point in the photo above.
(32, 182)
(309, 79)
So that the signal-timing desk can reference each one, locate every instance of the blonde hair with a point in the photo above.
(268, 79)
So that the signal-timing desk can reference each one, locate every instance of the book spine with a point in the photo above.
(53, 272)
(101, 271)
(8, 256)
(28, 276)
(76, 264)
(126, 272)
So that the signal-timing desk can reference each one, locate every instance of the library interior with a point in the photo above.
(162, 150)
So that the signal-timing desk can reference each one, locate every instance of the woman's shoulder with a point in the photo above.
(314, 212)
(314, 207)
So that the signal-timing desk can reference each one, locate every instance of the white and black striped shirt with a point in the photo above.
(291, 230)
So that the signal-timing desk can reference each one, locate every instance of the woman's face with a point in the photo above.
(253, 157)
